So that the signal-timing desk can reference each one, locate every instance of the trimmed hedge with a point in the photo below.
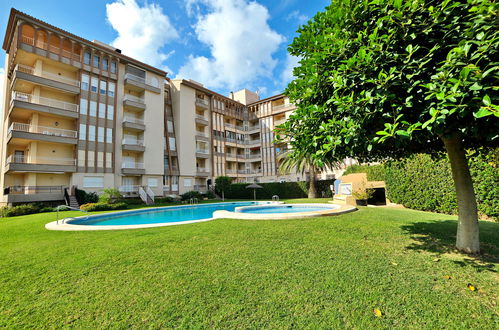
(282, 189)
(422, 182)
(91, 207)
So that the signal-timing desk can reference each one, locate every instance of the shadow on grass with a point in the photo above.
(440, 237)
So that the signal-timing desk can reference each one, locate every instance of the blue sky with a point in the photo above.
(224, 44)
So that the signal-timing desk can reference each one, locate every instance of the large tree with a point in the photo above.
(383, 79)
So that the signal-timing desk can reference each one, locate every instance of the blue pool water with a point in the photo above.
(160, 215)
(285, 209)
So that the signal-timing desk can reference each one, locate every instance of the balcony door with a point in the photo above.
(19, 156)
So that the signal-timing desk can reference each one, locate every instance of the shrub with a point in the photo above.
(164, 200)
(191, 194)
(282, 189)
(92, 207)
(132, 201)
(18, 210)
(110, 196)
(84, 197)
(209, 194)
(423, 182)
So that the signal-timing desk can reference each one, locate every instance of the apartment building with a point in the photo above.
(78, 113)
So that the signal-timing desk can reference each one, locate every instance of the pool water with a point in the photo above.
(160, 215)
(285, 209)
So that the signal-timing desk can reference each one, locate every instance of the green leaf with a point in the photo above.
(483, 112)
(402, 133)
(486, 100)
(475, 87)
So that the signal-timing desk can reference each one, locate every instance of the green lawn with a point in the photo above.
(328, 272)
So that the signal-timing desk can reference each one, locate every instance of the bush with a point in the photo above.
(423, 182)
(18, 210)
(84, 197)
(110, 196)
(209, 194)
(191, 194)
(282, 189)
(92, 207)
(164, 200)
(132, 201)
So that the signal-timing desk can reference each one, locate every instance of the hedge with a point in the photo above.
(282, 189)
(92, 207)
(425, 183)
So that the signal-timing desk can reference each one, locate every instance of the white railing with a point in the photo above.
(229, 140)
(202, 151)
(203, 134)
(129, 189)
(201, 101)
(131, 76)
(132, 165)
(143, 195)
(150, 193)
(231, 126)
(53, 49)
(200, 187)
(201, 117)
(30, 98)
(26, 159)
(229, 171)
(252, 156)
(254, 127)
(133, 98)
(43, 130)
(133, 120)
(201, 170)
(242, 171)
(282, 106)
(230, 155)
(134, 142)
(48, 75)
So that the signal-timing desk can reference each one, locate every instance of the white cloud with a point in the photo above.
(295, 15)
(142, 31)
(2, 81)
(240, 40)
(287, 73)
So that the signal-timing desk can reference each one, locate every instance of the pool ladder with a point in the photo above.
(275, 198)
(68, 207)
(194, 200)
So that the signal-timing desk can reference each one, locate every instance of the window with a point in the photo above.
(171, 140)
(81, 158)
(85, 79)
(93, 108)
(169, 126)
(187, 182)
(110, 90)
(109, 135)
(91, 133)
(110, 112)
(83, 132)
(95, 82)
(113, 67)
(100, 136)
(102, 87)
(83, 106)
(152, 182)
(93, 182)
(102, 110)
(109, 160)
(96, 61)
(105, 64)
(86, 58)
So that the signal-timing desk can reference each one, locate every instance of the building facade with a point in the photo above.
(78, 113)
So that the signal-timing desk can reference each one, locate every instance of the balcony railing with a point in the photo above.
(202, 151)
(203, 134)
(29, 190)
(201, 101)
(49, 102)
(133, 120)
(200, 187)
(52, 131)
(132, 165)
(129, 189)
(48, 75)
(26, 159)
(51, 48)
(241, 128)
(133, 98)
(139, 79)
(201, 117)
(201, 170)
(133, 142)
(280, 107)
(252, 156)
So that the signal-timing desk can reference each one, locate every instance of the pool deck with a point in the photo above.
(342, 209)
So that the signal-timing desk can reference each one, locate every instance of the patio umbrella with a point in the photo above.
(254, 186)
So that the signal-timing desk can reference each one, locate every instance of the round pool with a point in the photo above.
(298, 208)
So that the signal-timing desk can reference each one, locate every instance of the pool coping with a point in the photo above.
(64, 226)
(342, 209)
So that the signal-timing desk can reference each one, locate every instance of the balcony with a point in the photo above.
(234, 127)
(200, 119)
(49, 79)
(200, 187)
(134, 103)
(42, 133)
(133, 145)
(202, 103)
(133, 168)
(202, 136)
(253, 128)
(21, 163)
(133, 124)
(51, 48)
(140, 84)
(279, 122)
(202, 153)
(27, 194)
(201, 171)
(44, 104)
(282, 108)
(254, 157)
(129, 189)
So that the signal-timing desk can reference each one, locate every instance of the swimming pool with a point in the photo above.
(285, 208)
(152, 217)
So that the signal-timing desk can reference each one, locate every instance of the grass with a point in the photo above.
(315, 273)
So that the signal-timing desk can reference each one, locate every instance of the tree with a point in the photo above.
(384, 79)
(302, 162)
(222, 184)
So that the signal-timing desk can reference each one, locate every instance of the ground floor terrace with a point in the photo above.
(327, 272)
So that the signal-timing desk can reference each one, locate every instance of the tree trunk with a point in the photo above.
(467, 228)
(312, 189)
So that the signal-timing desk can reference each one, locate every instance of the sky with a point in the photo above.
(226, 45)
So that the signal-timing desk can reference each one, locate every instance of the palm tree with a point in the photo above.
(302, 162)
